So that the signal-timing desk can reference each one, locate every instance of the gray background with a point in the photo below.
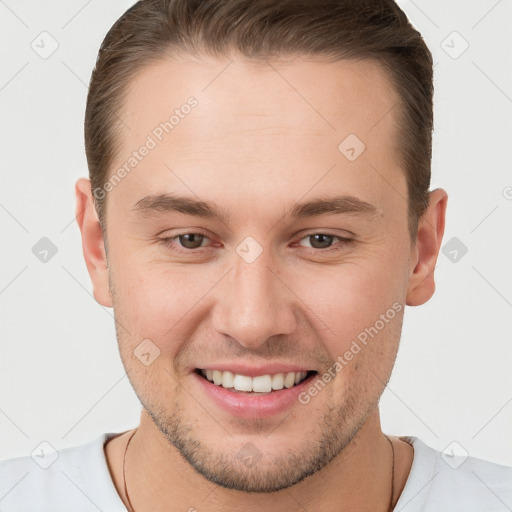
(61, 379)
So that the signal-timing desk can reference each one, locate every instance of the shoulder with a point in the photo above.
(74, 478)
(445, 481)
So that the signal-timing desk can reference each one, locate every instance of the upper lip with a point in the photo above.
(254, 370)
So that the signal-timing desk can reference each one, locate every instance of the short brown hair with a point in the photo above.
(335, 29)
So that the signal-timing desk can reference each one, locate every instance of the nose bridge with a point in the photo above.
(253, 304)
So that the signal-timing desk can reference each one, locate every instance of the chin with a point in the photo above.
(243, 464)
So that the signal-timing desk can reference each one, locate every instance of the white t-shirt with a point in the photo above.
(78, 480)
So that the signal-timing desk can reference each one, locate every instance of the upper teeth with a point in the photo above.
(259, 384)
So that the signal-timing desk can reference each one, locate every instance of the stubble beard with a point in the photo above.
(270, 472)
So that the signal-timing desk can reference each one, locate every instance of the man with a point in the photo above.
(258, 215)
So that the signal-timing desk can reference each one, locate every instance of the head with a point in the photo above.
(259, 199)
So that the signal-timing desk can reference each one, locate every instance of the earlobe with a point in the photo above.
(428, 243)
(93, 243)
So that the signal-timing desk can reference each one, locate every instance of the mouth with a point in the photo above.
(259, 385)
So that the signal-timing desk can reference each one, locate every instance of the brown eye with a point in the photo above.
(320, 240)
(191, 240)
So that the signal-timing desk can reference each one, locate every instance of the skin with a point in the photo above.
(260, 131)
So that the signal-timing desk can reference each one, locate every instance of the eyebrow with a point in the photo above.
(333, 206)
(164, 203)
(336, 205)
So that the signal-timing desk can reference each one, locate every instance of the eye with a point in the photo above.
(322, 240)
(187, 240)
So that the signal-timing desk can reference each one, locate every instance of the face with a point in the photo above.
(251, 240)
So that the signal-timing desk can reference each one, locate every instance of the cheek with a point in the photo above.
(160, 301)
(361, 327)
(348, 301)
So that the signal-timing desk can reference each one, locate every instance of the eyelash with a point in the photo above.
(342, 241)
(169, 242)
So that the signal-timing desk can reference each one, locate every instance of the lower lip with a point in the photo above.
(253, 405)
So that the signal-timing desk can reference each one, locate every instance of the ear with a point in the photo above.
(93, 243)
(428, 243)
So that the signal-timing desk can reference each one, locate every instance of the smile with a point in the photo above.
(259, 384)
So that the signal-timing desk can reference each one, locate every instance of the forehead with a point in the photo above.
(330, 97)
(235, 127)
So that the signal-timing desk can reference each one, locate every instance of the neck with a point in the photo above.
(360, 477)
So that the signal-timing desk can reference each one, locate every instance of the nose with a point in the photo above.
(254, 304)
